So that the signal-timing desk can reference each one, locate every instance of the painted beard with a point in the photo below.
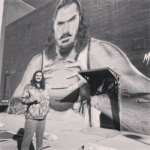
(79, 44)
(66, 49)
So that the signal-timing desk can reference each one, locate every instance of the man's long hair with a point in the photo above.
(82, 35)
(34, 83)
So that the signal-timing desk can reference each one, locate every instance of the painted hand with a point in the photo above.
(74, 63)
(77, 84)
(47, 71)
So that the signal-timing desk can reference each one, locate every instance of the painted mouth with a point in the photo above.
(66, 39)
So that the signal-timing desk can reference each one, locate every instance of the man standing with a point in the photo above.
(69, 39)
(37, 100)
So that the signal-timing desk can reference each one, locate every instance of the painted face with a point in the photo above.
(66, 26)
(38, 77)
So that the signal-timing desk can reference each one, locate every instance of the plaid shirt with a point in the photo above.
(35, 111)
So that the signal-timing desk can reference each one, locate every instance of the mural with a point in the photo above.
(146, 58)
(70, 49)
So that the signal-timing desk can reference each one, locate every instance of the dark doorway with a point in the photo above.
(105, 82)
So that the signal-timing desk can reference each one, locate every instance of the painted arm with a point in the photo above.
(104, 54)
(135, 86)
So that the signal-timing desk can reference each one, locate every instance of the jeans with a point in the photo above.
(31, 126)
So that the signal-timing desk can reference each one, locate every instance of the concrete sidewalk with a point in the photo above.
(73, 136)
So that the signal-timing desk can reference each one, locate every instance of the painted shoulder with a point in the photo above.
(105, 54)
(34, 65)
(36, 59)
(106, 48)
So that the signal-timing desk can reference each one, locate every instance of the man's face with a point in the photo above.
(38, 77)
(66, 27)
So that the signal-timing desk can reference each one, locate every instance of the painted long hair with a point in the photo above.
(33, 81)
(82, 35)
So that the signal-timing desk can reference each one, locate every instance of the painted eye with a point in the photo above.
(72, 19)
(60, 23)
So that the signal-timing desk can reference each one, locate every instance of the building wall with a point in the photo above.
(16, 9)
(11, 11)
(2, 36)
(123, 23)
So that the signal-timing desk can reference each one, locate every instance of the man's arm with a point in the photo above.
(26, 99)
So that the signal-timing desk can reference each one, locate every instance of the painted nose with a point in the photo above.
(65, 28)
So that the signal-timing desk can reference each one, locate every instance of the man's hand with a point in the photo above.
(36, 102)
(36, 98)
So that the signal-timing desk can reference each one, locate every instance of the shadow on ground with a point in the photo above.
(19, 141)
(136, 137)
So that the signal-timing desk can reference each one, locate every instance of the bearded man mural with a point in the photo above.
(70, 49)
